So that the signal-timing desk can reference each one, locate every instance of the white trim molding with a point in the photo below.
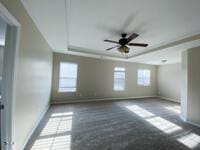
(183, 119)
(189, 122)
(7, 16)
(9, 78)
(168, 99)
(98, 100)
(193, 123)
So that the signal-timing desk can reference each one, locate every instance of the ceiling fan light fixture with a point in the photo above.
(124, 49)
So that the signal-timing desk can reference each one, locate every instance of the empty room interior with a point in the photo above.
(99, 75)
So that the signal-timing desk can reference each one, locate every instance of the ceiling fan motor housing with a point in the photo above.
(124, 35)
(123, 42)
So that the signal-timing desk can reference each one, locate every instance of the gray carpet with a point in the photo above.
(145, 124)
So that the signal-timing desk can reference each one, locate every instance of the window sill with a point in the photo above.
(144, 85)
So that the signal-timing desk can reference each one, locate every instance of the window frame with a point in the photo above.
(145, 78)
(124, 84)
(59, 78)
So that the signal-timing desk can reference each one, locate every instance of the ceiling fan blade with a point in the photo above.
(131, 37)
(111, 41)
(112, 47)
(138, 44)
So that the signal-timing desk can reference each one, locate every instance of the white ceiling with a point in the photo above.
(82, 26)
(171, 54)
(51, 19)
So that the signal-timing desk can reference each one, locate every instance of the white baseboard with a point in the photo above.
(194, 124)
(189, 122)
(169, 99)
(182, 118)
(35, 126)
(98, 100)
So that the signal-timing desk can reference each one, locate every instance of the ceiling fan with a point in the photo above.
(124, 42)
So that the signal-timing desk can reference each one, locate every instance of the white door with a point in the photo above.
(8, 79)
(3, 26)
(8, 84)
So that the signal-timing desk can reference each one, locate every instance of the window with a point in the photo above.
(144, 77)
(67, 77)
(119, 79)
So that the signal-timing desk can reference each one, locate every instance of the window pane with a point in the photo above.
(119, 84)
(68, 77)
(119, 78)
(148, 81)
(140, 81)
(68, 69)
(147, 73)
(120, 75)
(140, 73)
(67, 82)
(144, 77)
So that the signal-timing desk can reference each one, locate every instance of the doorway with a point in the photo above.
(3, 26)
(9, 35)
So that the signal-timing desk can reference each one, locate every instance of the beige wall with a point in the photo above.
(169, 82)
(190, 101)
(95, 79)
(33, 74)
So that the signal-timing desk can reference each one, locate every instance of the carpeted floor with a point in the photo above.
(143, 124)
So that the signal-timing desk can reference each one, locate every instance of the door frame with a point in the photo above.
(9, 78)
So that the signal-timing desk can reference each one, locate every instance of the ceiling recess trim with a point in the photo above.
(89, 53)
(178, 41)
